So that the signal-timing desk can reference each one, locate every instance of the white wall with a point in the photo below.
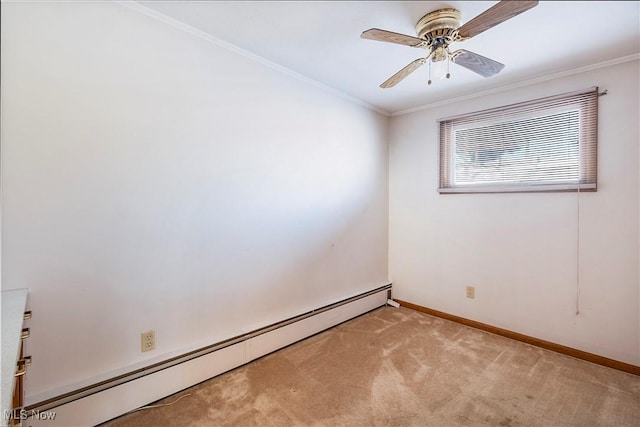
(520, 251)
(153, 180)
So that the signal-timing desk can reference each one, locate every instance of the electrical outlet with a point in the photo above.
(148, 341)
(471, 292)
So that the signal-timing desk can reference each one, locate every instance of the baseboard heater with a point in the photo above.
(111, 398)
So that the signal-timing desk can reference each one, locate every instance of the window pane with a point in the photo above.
(541, 149)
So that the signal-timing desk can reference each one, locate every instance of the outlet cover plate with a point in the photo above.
(148, 341)
(471, 292)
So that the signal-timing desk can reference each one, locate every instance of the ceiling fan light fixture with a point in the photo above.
(439, 69)
(439, 54)
(439, 63)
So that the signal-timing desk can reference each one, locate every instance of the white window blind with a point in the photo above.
(547, 144)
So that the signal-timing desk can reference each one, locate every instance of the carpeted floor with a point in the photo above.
(399, 367)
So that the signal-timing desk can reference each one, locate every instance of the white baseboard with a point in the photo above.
(115, 401)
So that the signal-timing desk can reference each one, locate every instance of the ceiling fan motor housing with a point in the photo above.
(439, 27)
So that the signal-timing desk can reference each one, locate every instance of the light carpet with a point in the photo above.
(399, 367)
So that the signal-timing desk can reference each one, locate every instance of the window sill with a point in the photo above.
(546, 188)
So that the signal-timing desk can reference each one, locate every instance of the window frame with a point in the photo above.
(585, 101)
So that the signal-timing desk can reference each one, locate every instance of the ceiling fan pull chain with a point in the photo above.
(429, 82)
(448, 61)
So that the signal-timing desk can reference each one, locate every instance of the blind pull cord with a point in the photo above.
(578, 253)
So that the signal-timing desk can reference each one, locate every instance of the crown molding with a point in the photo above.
(553, 76)
(134, 5)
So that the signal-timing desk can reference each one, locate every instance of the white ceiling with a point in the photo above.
(321, 40)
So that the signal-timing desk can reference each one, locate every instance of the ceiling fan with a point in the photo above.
(438, 29)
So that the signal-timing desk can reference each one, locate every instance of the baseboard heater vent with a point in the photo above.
(111, 398)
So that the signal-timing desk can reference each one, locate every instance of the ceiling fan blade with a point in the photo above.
(391, 37)
(397, 77)
(496, 14)
(477, 63)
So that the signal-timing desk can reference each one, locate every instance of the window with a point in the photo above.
(546, 144)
